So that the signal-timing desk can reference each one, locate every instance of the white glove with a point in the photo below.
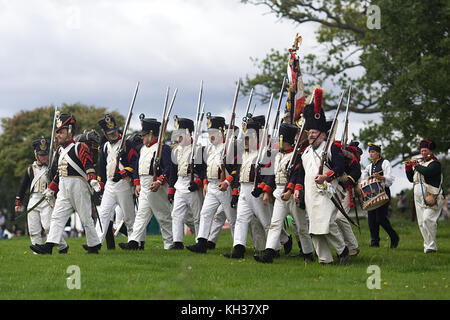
(95, 185)
(49, 193)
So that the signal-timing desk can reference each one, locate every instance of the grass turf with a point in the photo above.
(405, 272)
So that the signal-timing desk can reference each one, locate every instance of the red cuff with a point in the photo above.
(229, 179)
(162, 179)
(171, 191)
(136, 182)
(90, 177)
(53, 186)
(267, 188)
(198, 182)
(408, 167)
(262, 185)
(298, 187)
(330, 173)
(205, 181)
(235, 192)
(18, 203)
(290, 186)
(102, 185)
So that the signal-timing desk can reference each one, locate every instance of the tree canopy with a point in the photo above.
(399, 71)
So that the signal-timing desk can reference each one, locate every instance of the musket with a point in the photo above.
(246, 111)
(293, 160)
(276, 124)
(334, 198)
(125, 128)
(230, 133)
(196, 129)
(165, 120)
(345, 133)
(263, 143)
(330, 136)
(197, 132)
(50, 150)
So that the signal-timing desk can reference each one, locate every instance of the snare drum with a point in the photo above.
(372, 194)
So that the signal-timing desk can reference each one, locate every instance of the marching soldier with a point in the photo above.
(73, 182)
(380, 169)
(216, 192)
(282, 186)
(317, 188)
(426, 174)
(348, 181)
(186, 193)
(116, 172)
(152, 194)
(248, 205)
(36, 178)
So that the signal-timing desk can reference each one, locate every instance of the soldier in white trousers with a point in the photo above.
(151, 188)
(36, 178)
(426, 174)
(185, 189)
(319, 206)
(73, 182)
(116, 171)
(216, 192)
(282, 186)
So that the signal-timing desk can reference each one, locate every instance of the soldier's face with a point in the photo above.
(373, 155)
(43, 158)
(62, 135)
(426, 153)
(315, 136)
(113, 136)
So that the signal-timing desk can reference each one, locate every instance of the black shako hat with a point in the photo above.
(314, 114)
(108, 124)
(288, 131)
(40, 146)
(183, 123)
(215, 122)
(150, 125)
(65, 120)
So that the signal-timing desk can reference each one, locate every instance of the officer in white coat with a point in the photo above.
(318, 188)
(116, 172)
(151, 188)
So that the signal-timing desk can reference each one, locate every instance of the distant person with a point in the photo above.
(426, 174)
(380, 169)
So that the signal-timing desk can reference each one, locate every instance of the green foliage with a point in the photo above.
(399, 72)
(19, 131)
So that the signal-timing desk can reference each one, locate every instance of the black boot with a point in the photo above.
(132, 245)
(64, 251)
(238, 252)
(210, 245)
(141, 245)
(109, 237)
(394, 241)
(343, 257)
(288, 246)
(42, 248)
(94, 249)
(200, 247)
(308, 257)
(267, 257)
(177, 246)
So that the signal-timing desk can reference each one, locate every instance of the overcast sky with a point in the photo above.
(94, 52)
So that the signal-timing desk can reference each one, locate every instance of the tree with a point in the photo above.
(398, 72)
(19, 131)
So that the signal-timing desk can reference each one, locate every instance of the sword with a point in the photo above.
(338, 205)
(32, 208)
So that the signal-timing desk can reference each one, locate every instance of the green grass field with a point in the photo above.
(406, 272)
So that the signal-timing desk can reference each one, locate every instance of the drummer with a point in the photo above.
(380, 169)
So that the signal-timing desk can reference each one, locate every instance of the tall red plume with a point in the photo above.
(318, 100)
